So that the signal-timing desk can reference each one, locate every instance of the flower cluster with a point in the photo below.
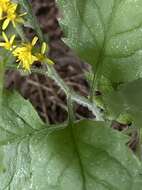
(26, 53)
(26, 56)
(8, 13)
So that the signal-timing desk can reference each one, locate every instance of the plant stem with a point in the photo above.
(91, 97)
(51, 72)
(71, 116)
(1, 80)
(20, 32)
(139, 148)
(97, 75)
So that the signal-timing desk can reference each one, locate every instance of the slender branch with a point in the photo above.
(51, 72)
(91, 97)
(20, 32)
(1, 80)
(71, 116)
(139, 145)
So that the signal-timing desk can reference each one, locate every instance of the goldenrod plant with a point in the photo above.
(74, 155)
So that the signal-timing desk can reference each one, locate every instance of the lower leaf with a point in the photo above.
(87, 156)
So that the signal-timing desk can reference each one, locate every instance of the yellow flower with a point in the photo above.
(8, 44)
(3, 7)
(42, 57)
(11, 16)
(24, 54)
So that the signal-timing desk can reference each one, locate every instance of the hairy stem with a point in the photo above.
(139, 148)
(51, 72)
(91, 97)
(71, 116)
(1, 80)
(20, 32)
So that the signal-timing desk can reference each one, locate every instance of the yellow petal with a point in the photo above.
(14, 24)
(14, 7)
(43, 48)
(2, 44)
(1, 13)
(23, 14)
(12, 39)
(5, 36)
(19, 20)
(34, 41)
(49, 61)
(5, 24)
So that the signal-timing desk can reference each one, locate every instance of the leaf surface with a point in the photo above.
(87, 156)
(107, 34)
(127, 99)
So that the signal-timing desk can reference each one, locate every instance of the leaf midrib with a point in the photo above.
(78, 156)
(99, 64)
(102, 54)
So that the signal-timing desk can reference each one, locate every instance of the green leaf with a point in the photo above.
(87, 156)
(5, 58)
(127, 99)
(17, 118)
(107, 34)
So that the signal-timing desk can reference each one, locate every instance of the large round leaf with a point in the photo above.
(107, 34)
(86, 156)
